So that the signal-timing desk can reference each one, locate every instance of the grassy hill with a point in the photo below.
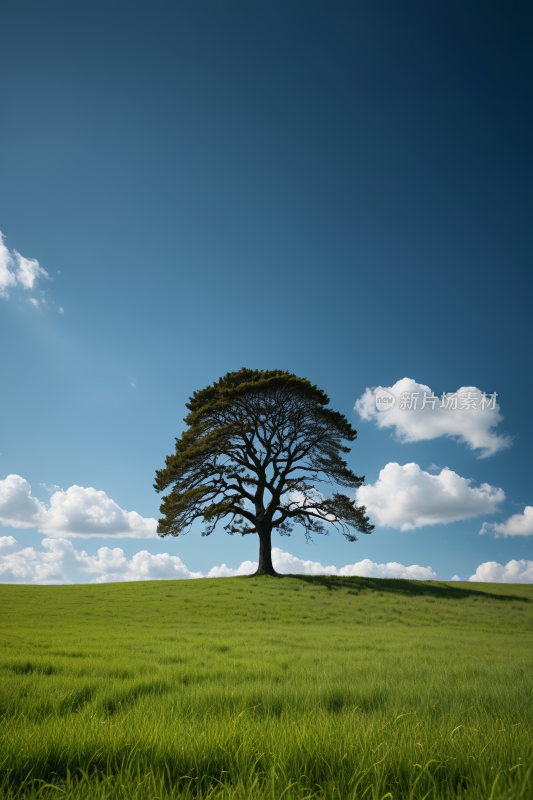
(291, 687)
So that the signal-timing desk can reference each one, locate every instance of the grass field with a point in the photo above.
(291, 687)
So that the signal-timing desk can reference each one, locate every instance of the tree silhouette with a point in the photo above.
(258, 448)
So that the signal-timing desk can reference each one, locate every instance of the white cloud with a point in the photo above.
(246, 568)
(7, 543)
(26, 272)
(18, 508)
(7, 278)
(471, 426)
(408, 498)
(27, 565)
(80, 512)
(286, 563)
(368, 569)
(74, 513)
(60, 310)
(144, 566)
(49, 566)
(33, 301)
(517, 525)
(512, 572)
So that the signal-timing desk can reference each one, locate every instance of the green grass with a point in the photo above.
(293, 687)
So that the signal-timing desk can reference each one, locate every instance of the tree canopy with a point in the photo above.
(259, 449)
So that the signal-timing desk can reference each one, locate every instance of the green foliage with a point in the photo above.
(257, 446)
(349, 688)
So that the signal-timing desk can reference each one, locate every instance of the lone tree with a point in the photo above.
(257, 446)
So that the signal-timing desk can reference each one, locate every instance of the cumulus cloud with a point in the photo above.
(246, 568)
(14, 269)
(60, 310)
(18, 508)
(517, 525)
(7, 543)
(286, 563)
(368, 569)
(80, 512)
(444, 416)
(144, 566)
(27, 565)
(512, 572)
(455, 578)
(74, 513)
(59, 557)
(406, 497)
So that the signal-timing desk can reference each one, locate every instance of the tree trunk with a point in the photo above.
(265, 566)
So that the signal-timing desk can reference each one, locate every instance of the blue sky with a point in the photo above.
(340, 190)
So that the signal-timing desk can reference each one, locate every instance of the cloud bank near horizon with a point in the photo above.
(473, 426)
(513, 572)
(49, 566)
(28, 565)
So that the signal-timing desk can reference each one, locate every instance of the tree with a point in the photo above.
(257, 446)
